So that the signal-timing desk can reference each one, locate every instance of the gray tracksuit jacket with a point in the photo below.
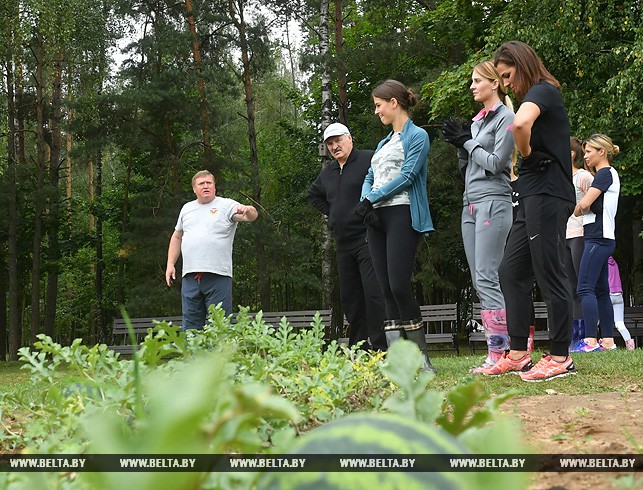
(485, 160)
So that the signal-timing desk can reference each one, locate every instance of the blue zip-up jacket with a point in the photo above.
(412, 176)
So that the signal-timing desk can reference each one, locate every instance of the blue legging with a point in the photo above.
(593, 287)
(393, 245)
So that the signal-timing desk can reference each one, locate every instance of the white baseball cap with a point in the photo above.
(335, 129)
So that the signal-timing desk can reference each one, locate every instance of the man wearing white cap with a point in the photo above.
(336, 193)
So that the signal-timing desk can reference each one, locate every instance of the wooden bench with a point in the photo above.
(120, 334)
(436, 318)
(540, 313)
(297, 319)
(304, 319)
(633, 318)
(121, 340)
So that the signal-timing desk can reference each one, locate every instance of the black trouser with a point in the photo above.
(361, 296)
(536, 246)
(393, 245)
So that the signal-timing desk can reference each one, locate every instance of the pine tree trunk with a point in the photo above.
(196, 54)
(54, 207)
(39, 203)
(122, 256)
(99, 318)
(262, 270)
(12, 238)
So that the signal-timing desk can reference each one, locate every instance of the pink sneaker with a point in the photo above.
(507, 365)
(629, 344)
(488, 362)
(583, 346)
(547, 369)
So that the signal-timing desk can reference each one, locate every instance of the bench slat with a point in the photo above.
(140, 326)
(441, 314)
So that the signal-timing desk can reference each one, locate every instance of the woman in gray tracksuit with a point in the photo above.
(485, 151)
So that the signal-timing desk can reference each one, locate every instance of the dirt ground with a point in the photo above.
(604, 423)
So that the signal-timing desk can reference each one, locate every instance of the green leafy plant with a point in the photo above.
(241, 386)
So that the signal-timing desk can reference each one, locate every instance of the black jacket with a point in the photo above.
(337, 191)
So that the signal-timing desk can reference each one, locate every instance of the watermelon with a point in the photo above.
(370, 435)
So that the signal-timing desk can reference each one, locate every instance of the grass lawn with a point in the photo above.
(615, 371)
(16, 380)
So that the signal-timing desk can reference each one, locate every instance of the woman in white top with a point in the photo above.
(395, 207)
(582, 180)
(598, 209)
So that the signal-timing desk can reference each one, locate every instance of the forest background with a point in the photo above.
(108, 107)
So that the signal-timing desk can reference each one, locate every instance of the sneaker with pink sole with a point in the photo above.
(506, 365)
(547, 369)
(630, 345)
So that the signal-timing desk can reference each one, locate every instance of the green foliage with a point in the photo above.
(324, 381)
(226, 375)
(142, 119)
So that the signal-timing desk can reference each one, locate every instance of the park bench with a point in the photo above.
(633, 318)
(541, 334)
(440, 323)
(434, 318)
(121, 340)
(120, 334)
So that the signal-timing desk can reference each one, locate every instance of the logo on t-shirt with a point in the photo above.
(214, 210)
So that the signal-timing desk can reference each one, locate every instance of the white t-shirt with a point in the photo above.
(603, 224)
(208, 234)
(387, 164)
(582, 181)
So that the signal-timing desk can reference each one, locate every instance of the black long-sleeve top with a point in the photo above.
(337, 191)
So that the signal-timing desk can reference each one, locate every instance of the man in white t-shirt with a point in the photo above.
(204, 234)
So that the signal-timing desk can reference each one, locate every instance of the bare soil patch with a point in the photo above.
(602, 423)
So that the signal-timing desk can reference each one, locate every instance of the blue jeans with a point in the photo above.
(198, 294)
(593, 287)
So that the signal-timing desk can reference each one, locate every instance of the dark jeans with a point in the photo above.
(197, 295)
(574, 247)
(536, 247)
(361, 296)
(594, 289)
(393, 245)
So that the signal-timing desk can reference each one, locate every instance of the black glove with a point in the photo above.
(456, 133)
(366, 212)
(537, 161)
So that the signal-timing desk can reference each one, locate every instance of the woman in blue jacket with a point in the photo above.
(395, 208)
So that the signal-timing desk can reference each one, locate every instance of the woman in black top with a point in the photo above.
(536, 244)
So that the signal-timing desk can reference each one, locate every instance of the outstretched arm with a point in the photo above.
(245, 213)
